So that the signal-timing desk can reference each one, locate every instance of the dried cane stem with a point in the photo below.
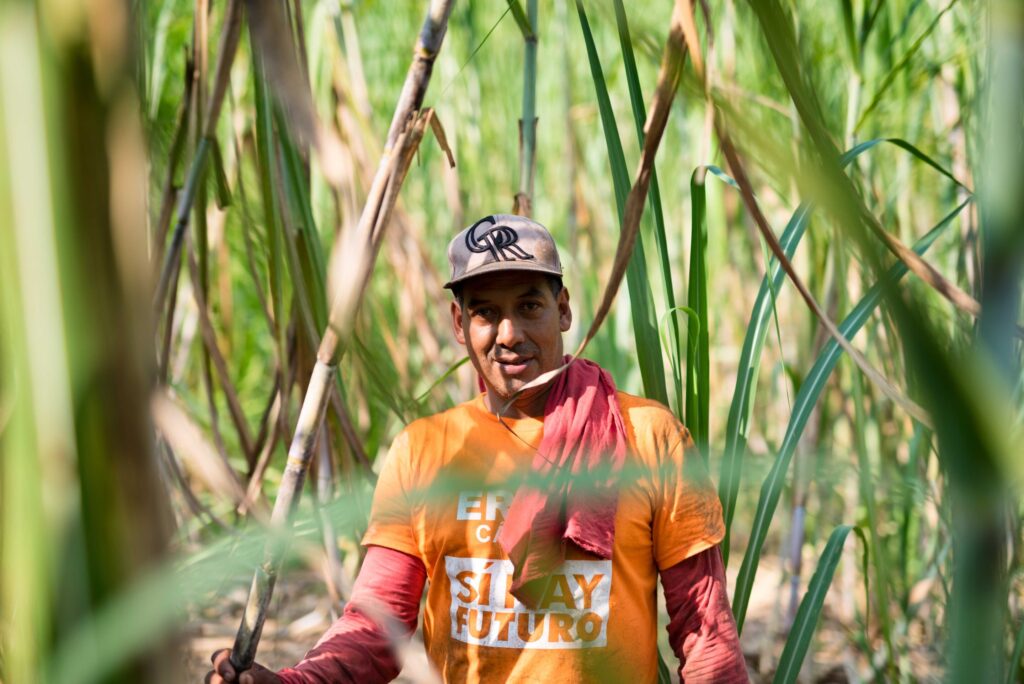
(244, 652)
(351, 264)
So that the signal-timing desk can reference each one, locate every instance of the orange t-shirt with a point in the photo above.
(441, 497)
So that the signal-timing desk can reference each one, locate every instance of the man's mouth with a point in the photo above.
(514, 365)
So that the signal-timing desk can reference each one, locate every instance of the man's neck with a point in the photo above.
(529, 404)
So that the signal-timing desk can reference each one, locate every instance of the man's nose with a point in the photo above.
(509, 332)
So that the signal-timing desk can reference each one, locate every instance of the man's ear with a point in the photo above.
(460, 334)
(564, 311)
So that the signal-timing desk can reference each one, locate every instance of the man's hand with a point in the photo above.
(223, 671)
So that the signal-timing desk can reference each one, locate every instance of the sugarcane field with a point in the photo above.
(511, 341)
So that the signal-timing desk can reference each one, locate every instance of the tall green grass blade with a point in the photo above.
(645, 325)
(741, 407)
(158, 61)
(807, 396)
(868, 19)
(920, 443)
(220, 177)
(849, 31)
(867, 496)
(844, 200)
(691, 316)
(980, 444)
(697, 339)
(522, 21)
(904, 145)
(802, 632)
(479, 46)
(636, 102)
(664, 675)
(420, 398)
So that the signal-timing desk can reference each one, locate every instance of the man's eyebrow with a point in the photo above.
(475, 301)
(532, 292)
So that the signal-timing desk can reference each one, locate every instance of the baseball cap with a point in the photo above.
(502, 242)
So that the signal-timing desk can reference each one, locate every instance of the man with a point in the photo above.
(540, 513)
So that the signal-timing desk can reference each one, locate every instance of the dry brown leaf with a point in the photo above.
(199, 456)
(442, 139)
(351, 264)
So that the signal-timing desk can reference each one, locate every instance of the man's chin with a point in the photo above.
(506, 387)
(505, 390)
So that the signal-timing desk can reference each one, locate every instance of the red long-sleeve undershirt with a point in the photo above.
(701, 628)
(356, 648)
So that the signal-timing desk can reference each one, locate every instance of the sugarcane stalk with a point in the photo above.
(311, 415)
(351, 264)
(528, 124)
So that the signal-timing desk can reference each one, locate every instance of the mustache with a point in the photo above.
(525, 349)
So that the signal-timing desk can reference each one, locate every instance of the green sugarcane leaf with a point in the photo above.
(691, 317)
(867, 495)
(807, 615)
(741, 407)
(645, 325)
(220, 177)
(522, 21)
(636, 102)
(806, 398)
(155, 84)
(697, 338)
(849, 32)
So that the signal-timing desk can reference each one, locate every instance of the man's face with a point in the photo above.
(511, 324)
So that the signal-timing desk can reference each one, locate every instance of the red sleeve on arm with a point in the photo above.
(357, 648)
(701, 627)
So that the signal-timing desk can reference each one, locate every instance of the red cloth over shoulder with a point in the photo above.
(584, 434)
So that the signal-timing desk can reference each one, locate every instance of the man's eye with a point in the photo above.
(531, 306)
(482, 313)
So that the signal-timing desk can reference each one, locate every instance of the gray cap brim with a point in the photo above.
(503, 267)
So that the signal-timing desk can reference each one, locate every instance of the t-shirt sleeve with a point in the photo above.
(391, 523)
(687, 514)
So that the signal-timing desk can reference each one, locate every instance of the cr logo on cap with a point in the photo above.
(500, 241)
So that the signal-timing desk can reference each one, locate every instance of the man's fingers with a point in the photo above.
(223, 671)
(222, 666)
